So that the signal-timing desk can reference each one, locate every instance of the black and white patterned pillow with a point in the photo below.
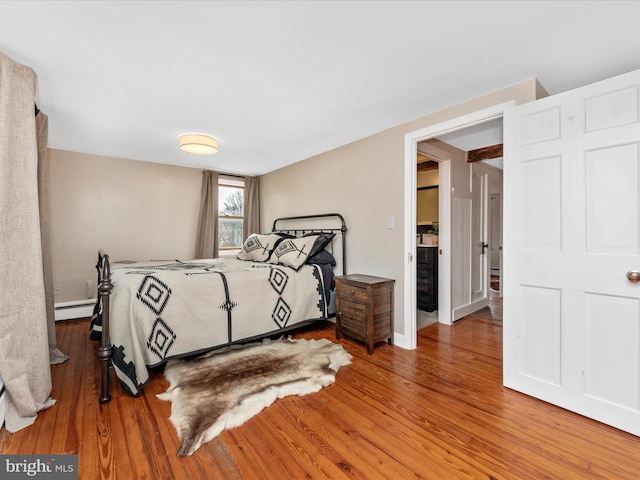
(258, 248)
(293, 252)
(322, 240)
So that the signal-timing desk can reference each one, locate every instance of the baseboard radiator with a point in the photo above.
(74, 309)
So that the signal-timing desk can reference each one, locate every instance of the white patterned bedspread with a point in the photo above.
(164, 309)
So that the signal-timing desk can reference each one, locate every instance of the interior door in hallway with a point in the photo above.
(479, 237)
(571, 235)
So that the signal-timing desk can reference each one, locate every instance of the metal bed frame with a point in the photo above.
(105, 286)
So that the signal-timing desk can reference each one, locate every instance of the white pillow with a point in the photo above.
(293, 252)
(258, 247)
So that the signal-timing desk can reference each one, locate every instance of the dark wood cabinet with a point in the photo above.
(427, 278)
(364, 306)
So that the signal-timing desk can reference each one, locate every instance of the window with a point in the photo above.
(230, 213)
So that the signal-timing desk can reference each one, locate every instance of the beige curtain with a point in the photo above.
(42, 134)
(207, 239)
(24, 356)
(251, 206)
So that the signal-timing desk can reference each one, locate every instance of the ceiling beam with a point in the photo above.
(485, 153)
(427, 165)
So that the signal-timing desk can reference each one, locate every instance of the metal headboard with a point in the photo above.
(301, 231)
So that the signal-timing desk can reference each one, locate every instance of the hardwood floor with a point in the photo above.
(437, 412)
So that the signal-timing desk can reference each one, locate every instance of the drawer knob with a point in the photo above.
(352, 292)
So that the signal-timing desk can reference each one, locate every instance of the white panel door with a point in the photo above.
(495, 233)
(480, 237)
(571, 235)
(461, 262)
(470, 264)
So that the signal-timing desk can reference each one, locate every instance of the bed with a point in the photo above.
(151, 311)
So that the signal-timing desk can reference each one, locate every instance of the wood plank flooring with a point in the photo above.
(437, 412)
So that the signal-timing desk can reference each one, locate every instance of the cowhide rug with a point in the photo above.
(225, 388)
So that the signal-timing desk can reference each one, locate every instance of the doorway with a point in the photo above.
(446, 287)
(427, 240)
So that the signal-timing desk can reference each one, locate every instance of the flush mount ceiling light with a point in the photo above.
(199, 143)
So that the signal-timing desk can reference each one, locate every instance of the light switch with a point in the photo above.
(391, 222)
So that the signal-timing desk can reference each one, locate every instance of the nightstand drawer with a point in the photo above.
(354, 328)
(353, 316)
(353, 293)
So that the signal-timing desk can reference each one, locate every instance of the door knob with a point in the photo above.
(633, 276)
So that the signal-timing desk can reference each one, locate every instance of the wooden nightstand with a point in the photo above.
(364, 308)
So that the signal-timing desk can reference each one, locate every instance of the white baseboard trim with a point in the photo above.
(74, 309)
(400, 340)
(465, 310)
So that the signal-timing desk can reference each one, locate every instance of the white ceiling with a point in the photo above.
(476, 136)
(480, 135)
(278, 82)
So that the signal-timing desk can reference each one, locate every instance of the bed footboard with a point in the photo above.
(105, 351)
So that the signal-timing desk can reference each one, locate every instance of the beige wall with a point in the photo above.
(132, 209)
(427, 206)
(428, 178)
(365, 182)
